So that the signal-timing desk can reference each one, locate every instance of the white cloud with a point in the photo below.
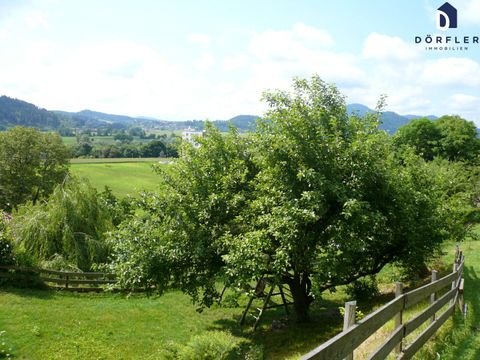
(277, 56)
(451, 71)
(284, 45)
(36, 20)
(234, 62)
(468, 11)
(205, 61)
(384, 47)
(199, 39)
(464, 105)
(312, 34)
(464, 102)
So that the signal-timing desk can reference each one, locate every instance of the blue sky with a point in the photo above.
(212, 59)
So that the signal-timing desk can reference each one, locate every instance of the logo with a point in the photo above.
(446, 17)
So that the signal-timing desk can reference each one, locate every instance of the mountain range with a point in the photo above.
(14, 112)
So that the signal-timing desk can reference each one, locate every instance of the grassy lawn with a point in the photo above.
(43, 324)
(122, 177)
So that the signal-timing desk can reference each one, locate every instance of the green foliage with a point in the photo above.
(458, 139)
(123, 145)
(72, 223)
(175, 242)
(28, 175)
(6, 349)
(6, 248)
(59, 263)
(313, 198)
(212, 345)
(363, 289)
(449, 137)
(421, 134)
(15, 112)
(118, 209)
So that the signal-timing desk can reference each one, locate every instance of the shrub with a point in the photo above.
(363, 289)
(213, 345)
(6, 253)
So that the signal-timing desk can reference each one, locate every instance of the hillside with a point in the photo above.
(14, 112)
(391, 121)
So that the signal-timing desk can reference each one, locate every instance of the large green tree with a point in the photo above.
(422, 135)
(32, 163)
(313, 198)
(449, 137)
(459, 138)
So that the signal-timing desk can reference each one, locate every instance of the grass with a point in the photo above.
(459, 338)
(118, 160)
(124, 178)
(43, 324)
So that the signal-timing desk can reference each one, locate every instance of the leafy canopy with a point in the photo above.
(32, 163)
(72, 224)
(449, 137)
(314, 198)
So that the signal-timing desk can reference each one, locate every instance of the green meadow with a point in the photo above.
(124, 178)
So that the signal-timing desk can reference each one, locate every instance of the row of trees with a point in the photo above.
(153, 148)
(163, 146)
(313, 198)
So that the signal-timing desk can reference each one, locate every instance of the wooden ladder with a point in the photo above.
(262, 284)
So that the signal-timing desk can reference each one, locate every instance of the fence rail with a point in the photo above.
(343, 345)
(60, 279)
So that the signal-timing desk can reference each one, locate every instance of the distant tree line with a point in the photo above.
(125, 145)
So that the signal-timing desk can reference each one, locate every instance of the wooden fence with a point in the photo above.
(354, 334)
(73, 281)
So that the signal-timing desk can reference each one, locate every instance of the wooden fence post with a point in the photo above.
(454, 282)
(399, 316)
(433, 296)
(349, 320)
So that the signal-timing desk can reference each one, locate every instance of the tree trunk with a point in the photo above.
(300, 288)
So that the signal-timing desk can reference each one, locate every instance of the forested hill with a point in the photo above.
(391, 121)
(15, 112)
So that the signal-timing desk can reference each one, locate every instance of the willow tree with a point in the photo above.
(72, 223)
(313, 198)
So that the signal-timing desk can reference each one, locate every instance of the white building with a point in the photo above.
(191, 135)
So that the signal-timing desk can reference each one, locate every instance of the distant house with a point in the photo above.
(191, 135)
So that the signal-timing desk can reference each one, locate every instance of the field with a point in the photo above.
(121, 176)
(41, 324)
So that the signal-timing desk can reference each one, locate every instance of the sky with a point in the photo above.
(186, 59)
